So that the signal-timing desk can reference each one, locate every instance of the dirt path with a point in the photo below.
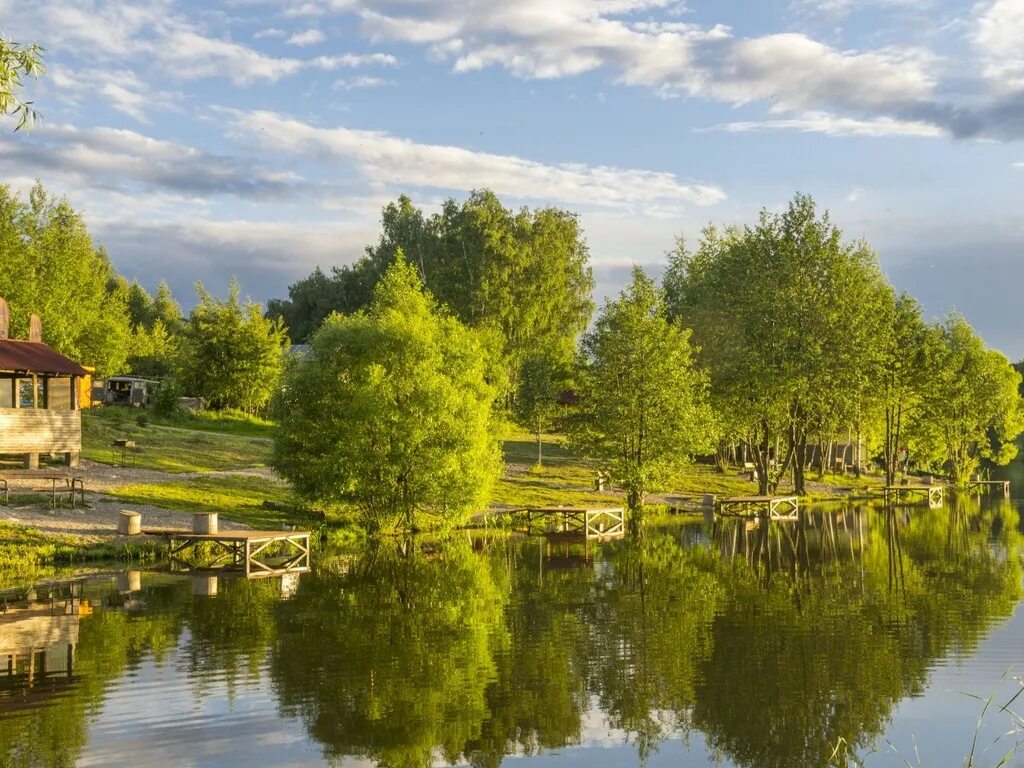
(98, 520)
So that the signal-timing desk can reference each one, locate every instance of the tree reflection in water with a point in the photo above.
(773, 643)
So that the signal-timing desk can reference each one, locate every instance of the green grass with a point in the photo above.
(568, 479)
(228, 422)
(234, 498)
(26, 550)
(173, 449)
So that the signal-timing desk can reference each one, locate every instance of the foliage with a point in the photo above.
(49, 267)
(18, 61)
(542, 379)
(643, 404)
(392, 413)
(903, 372)
(786, 316)
(164, 401)
(523, 273)
(231, 354)
(972, 401)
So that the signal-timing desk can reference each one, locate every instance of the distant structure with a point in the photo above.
(125, 390)
(39, 397)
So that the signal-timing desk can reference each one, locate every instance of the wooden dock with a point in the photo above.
(988, 486)
(931, 495)
(771, 507)
(243, 551)
(590, 523)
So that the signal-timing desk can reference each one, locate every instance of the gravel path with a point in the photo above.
(98, 520)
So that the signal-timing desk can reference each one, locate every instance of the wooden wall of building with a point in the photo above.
(30, 430)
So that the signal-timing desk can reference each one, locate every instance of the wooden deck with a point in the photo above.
(590, 523)
(988, 486)
(932, 495)
(771, 507)
(243, 551)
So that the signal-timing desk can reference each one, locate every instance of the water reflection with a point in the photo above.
(755, 644)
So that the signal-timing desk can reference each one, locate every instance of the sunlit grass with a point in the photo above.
(240, 499)
(171, 449)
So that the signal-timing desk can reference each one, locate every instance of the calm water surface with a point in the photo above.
(692, 645)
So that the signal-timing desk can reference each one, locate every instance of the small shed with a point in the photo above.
(39, 398)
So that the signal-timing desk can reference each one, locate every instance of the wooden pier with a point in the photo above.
(931, 495)
(771, 507)
(988, 486)
(243, 552)
(590, 523)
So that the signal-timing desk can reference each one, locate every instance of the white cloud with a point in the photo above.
(269, 32)
(392, 160)
(152, 33)
(361, 81)
(353, 60)
(124, 161)
(309, 37)
(999, 38)
(1019, 165)
(836, 125)
(855, 195)
(561, 38)
(120, 87)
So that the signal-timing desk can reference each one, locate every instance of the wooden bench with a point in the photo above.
(72, 485)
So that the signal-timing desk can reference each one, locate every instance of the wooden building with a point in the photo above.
(39, 398)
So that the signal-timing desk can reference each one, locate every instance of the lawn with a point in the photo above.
(198, 445)
(237, 498)
(568, 479)
(25, 551)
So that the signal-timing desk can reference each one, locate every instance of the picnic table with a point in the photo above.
(59, 485)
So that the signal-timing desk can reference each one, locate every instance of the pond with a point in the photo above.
(858, 633)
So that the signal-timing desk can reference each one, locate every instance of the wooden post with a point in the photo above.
(129, 523)
(204, 522)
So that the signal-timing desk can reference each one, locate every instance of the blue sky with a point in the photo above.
(258, 139)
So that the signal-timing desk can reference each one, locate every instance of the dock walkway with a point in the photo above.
(590, 522)
(931, 495)
(772, 507)
(243, 551)
(983, 486)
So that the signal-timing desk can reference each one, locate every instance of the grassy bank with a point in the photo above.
(254, 501)
(567, 479)
(25, 550)
(189, 444)
(206, 443)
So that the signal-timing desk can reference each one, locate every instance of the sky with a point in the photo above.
(258, 139)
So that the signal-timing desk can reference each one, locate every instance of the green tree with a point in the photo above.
(786, 316)
(903, 374)
(392, 413)
(972, 400)
(541, 380)
(524, 274)
(16, 63)
(231, 354)
(643, 403)
(50, 267)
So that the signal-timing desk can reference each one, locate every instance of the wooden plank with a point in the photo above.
(25, 430)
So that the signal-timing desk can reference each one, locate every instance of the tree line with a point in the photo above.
(225, 350)
(780, 338)
(769, 343)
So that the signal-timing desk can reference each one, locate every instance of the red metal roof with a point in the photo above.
(36, 357)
